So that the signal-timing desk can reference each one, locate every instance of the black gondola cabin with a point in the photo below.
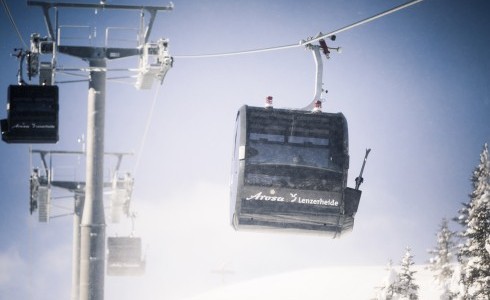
(32, 114)
(290, 172)
(124, 257)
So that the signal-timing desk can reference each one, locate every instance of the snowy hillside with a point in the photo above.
(338, 283)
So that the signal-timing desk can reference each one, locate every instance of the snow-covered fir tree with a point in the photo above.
(407, 288)
(399, 285)
(462, 218)
(441, 262)
(457, 281)
(473, 254)
(442, 255)
(388, 288)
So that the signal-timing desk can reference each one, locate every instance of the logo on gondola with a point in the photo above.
(293, 198)
(33, 125)
(259, 196)
(44, 126)
(25, 126)
(321, 201)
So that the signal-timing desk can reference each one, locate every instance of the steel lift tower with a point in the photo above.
(93, 225)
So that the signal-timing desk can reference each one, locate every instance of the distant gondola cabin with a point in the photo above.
(32, 114)
(124, 257)
(290, 172)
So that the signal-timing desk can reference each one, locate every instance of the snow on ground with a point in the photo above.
(338, 283)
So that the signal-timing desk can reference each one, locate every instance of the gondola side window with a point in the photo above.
(308, 140)
(291, 162)
(265, 137)
(290, 151)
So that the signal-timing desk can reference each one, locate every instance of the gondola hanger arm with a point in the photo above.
(323, 47)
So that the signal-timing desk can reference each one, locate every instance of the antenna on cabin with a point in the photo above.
(360, 179)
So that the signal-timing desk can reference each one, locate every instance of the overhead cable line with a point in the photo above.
(303, 43)
(239, 52)
(147, 129)
(11, 18)
(362, 22)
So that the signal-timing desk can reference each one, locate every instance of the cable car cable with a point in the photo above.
(147, 129)
(304, 42)
(362, 22)
(239, 52)
(11, 18)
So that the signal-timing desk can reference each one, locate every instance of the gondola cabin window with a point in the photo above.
(291, 162)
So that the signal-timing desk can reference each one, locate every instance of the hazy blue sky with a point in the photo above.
(414, 87)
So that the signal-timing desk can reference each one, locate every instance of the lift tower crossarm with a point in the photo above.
(48, 5)
(78, 152)
(99, 6)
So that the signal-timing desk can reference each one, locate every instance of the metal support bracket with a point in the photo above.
(319, 67)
